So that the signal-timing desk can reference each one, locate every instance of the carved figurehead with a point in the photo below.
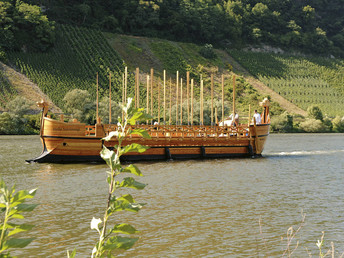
(265, 103)
(44, 105)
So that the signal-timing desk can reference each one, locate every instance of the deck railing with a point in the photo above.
(181, 131)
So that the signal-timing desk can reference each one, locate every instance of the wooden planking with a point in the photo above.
(70, 139)
(226, 150)
(58, 128)
(151, 151)
(74, 146)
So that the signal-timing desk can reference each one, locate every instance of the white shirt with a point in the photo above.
(258, 118)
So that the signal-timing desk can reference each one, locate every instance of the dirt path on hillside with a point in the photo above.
(261, 87)
(27, 88)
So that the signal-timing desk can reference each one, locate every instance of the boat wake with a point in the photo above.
(303, 153)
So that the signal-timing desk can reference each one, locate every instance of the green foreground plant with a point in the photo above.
(12, 205)
(110, 239)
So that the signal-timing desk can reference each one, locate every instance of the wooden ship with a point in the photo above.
(78, 142)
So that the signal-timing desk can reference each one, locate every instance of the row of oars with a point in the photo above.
(178, 97)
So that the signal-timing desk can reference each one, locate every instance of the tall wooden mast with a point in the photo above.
(152, 78)
(181, 101)
(164, 97)
(97, 114)
(223, 97)
(192, 84)
(187, 95)
(212, 99)
(233, 97)
(110, 98)
(177, 103)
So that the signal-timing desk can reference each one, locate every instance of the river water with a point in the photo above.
(196, 208)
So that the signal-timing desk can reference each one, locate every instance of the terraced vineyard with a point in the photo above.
(6, 90)
(78, 55)
(303, 81)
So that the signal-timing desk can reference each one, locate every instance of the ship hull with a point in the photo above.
(71, 142)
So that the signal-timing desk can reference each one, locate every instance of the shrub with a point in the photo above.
(282, 123)
(327, 121)
(314, 112)
(338, 124)
(19, 106)
(32, 123)
(11, 124)
(207, 51)
(312, 125)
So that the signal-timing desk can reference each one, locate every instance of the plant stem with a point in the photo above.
(111, 187)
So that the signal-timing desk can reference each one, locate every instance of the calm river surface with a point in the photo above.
(208, 208)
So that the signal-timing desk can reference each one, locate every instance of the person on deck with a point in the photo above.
(257, 117)
(235, 119)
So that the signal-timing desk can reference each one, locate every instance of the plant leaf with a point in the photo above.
(111, 135)
(141, 132)
(133, 169)
(124, 229)
(95, 224)
(17, 216)
(24, 207)
(135, 147)
(138, 115)
(125, 202)
(19, 228)
(71, 255)
(118, 242)
(110, 158)
(107, 154)
(21, 196)
(130, 182)
(126, 197)
(17, 243)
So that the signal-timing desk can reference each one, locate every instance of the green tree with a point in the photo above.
(116, 110)
(6, 24)
(315, 113)
(78, 103)
(338, 124)
(292, 38)
(282, 123)
(308, 15)
(24, 27)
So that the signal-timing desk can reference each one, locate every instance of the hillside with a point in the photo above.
(303, 80)
(137, 53)
(20, 85)
(80, 53)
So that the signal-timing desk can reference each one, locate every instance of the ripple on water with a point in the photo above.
(209, 208)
